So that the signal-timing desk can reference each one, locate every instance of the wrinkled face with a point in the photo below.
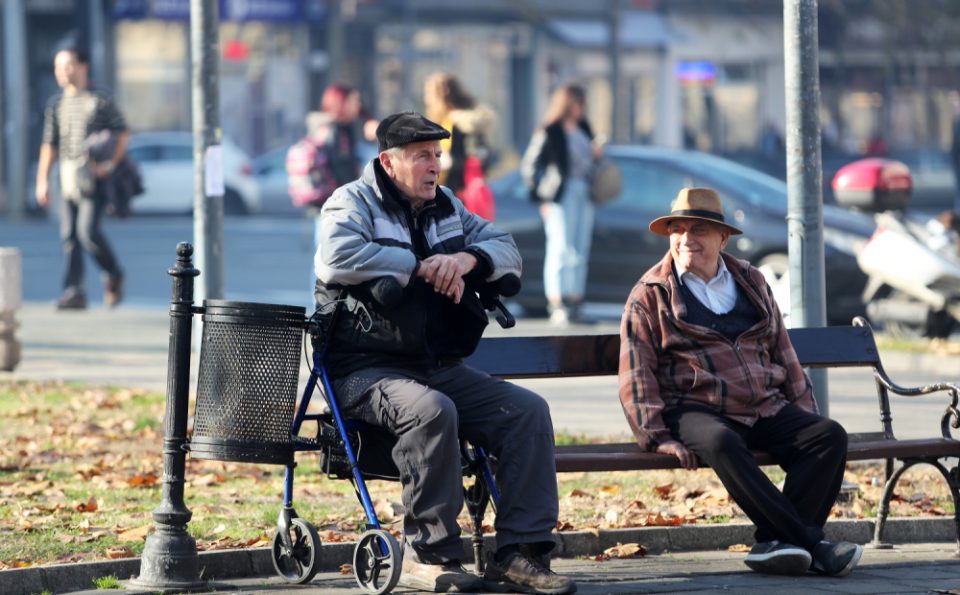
(415, 169)
(695, 245)
(68, 70)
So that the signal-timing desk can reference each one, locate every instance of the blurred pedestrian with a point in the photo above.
(557, 168)
(468, 152)
(70, 120)
(339, 129)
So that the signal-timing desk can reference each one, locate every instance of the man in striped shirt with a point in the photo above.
(70, 119)
(707, 373)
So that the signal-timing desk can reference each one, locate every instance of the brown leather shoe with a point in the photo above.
(112, 291)
(438, 578)
(522, 574)
(72, 301)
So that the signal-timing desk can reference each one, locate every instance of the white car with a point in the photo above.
(166, 165)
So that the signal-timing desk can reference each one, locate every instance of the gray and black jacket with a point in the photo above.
(368, 230)
(545, 163)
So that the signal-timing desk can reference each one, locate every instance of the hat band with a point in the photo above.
(698, 213)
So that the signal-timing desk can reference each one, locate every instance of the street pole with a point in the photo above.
(17, 100)
(804, 192)
(170, 561)
(98, 52)
(208, 188)
(335, 40)
(616, 129)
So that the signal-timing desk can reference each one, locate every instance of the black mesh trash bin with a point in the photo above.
(247, 386)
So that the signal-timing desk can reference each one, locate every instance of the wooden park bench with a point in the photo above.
(829, 347)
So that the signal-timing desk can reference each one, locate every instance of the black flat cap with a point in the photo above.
(404, 128)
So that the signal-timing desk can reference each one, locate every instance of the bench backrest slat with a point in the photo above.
(598, 355)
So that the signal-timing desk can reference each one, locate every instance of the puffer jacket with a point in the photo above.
(666, 362)
(368, 231)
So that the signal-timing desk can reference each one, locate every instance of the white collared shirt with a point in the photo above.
(718, 294)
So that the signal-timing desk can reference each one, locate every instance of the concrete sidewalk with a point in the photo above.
(709, 567)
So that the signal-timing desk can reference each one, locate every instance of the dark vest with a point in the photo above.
(743, 315)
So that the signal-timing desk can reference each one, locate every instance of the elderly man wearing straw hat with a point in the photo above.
(707, 373)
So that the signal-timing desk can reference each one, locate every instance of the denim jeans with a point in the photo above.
(569, 229)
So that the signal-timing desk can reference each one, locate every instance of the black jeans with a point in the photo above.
(810, 448)
(80, 229)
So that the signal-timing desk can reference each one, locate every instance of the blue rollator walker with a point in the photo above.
(377, 557)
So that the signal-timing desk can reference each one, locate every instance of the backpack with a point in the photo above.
(310, 180)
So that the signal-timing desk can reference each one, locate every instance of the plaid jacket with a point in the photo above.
(666, 362)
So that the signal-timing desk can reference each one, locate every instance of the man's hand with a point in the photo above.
(688, 460)
(445, 272)
(103, 169)
(42, 193)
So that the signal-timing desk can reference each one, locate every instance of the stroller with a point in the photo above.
(349, 449)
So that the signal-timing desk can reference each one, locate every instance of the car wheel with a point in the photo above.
(776, 270)
(233, 203)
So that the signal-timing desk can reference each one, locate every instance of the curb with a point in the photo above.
(254, 562)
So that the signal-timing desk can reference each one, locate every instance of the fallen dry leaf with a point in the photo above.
(739, 548)
(145, 480)
(119, 551)
(663, 490)
(609, 490)
(138, 534)
(88, 506)
(623, 550)
(346, 569)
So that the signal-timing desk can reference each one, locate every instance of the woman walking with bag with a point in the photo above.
(557, 168)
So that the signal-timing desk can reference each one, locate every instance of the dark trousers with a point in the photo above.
(428, 410)
(80, 230)
(810, 448)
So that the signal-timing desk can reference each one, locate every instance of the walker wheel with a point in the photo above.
(302, 562)
(377, 561)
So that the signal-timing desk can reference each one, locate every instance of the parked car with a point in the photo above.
(166, 164)
(270, 171)
(934, 183)
(623, 249)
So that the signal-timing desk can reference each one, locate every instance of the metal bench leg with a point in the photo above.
(883, 509)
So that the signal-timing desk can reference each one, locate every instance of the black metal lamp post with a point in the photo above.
(170, 561)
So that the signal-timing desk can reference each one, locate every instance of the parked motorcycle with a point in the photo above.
(912, 263)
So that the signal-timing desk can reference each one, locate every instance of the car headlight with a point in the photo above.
(843, 241)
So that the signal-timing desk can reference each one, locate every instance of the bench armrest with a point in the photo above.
(951, 415)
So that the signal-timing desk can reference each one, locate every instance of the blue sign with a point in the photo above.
(696, 71)
(272, 11)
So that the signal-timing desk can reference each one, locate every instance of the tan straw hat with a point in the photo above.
(693, 203)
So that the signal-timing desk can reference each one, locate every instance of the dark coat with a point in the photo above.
(547, 161)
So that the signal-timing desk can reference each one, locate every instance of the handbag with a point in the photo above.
(476, 194)
(607, 182)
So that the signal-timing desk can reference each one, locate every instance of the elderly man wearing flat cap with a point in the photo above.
(398, 362)
(707, 371)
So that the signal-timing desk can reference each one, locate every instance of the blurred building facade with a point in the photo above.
(705, 74)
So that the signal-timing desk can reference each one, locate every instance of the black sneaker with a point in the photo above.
(72, 301)
(520, 574)
(774, 557)
(836, 559)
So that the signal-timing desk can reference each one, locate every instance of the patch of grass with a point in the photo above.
(107, 582)
(81, 469)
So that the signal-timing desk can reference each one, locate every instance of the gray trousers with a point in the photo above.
(428, 410)
(80, 229)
